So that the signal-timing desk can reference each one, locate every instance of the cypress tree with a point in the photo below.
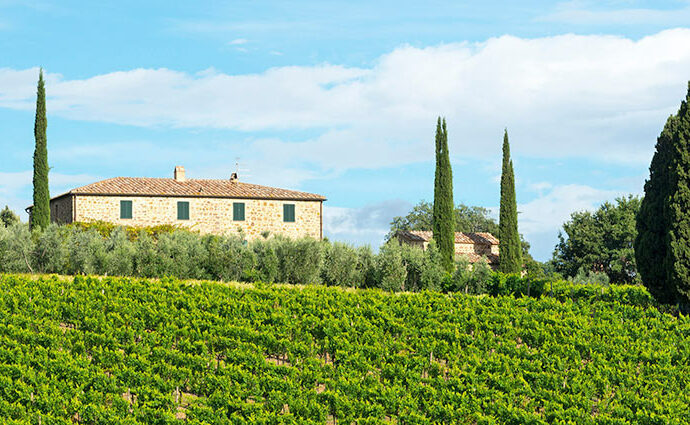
(40, 214)
(662, 246)
(678, 254)
(510, 248)
(443, 214)
(652, 220)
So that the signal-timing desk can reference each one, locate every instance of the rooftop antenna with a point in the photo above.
(236, 174)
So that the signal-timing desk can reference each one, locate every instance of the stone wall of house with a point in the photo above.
(206, 215)
(481, 249)
(61, 210)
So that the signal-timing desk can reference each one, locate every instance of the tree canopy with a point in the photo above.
(467, 219)
(600, 241)
(8, 217)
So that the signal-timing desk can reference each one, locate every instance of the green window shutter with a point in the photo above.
(125, 209)
(238, 211)
(183, 210)
(289, 213)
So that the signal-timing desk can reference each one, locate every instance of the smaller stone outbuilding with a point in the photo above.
(474, 246)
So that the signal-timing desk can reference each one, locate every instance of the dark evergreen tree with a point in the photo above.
(652, 221)
(662, 247)
(40, 214)
(443, 225)
(678, 254)
(511, 247)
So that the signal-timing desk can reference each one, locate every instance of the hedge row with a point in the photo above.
(85, 249)
(117, 251)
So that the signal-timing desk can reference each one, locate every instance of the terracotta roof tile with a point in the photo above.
(146, 186)
(482, 238)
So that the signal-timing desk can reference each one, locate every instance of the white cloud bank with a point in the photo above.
(600, 97)
(560, 96)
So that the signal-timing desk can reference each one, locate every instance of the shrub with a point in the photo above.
(15, 248)
(86, 252)
(461, 278)
(227, 258)
(366, 262)
(413, 259)
(340, 266)
(49, 253)
(584, 278)
(480, 277)
(266, 266)
(300, 260)
(433, 273)
(147, 260)
(181, 254)
(391, 272)
(120, 252)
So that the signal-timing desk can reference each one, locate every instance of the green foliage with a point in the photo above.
(105, 228)
(442, 223)
(133, 351)
(652, 224)
(120, 254)
(341, 266)
(662, 247)
(677, 261)
(584, 278)
(15, 249)
(87, 253)
(8, 217)
(50, 254)
(467, 219)
(227, 258)
(510, 248)
(40, 213)
(267, 265)
(600, 241)
(300, 260)
(391, 273)
(470, 279)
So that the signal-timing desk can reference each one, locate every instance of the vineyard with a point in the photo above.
(136, 351)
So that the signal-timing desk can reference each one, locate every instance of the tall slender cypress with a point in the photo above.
(510, 259)
(662, 246)
(443, 214)
(40, 214)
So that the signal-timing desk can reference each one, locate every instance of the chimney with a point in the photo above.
(179, 174)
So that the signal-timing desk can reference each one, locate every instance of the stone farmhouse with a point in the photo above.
(474, 246)
(205, 205)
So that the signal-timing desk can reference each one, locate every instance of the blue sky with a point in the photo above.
(340, 98)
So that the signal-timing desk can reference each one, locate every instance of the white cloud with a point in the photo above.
(604, 97)
(238, 41)
(541, 219)
(365, 225)
(14, 185)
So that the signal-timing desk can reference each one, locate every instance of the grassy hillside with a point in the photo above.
(129, 351)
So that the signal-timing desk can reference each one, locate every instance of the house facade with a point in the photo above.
(473, 246)
(205, 205)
